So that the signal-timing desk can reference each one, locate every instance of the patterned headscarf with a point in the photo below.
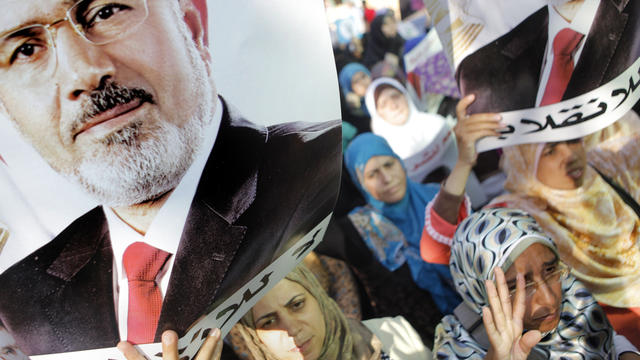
(596, 232)
(496, 237)
(344, 338)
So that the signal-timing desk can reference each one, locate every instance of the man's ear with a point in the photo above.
(195, 16)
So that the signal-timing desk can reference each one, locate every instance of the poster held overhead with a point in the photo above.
(541, 54)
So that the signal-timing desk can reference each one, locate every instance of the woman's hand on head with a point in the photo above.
(471, 128)
(504, 324)
(211, 349)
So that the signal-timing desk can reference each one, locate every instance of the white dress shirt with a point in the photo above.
(165, 230)
(581, 23)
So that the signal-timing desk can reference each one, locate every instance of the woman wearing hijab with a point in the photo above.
(383, 41)
(590, 215)
(535, 309)
(297, 320)
(354, 80)
(392, 221)
(410, 132)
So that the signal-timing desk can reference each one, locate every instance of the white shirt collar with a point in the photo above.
(581, 22)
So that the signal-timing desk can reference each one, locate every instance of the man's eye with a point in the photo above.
(102, 13)
(8, 351)
(26, 52)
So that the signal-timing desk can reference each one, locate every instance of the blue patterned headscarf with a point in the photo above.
(496, 237)
(346, 74)
(378, 223)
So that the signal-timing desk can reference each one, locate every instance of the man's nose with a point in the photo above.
(81, 66)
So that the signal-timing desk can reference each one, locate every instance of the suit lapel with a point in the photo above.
(599, 48)
(210, 239)
(208, 246)
(81, 307)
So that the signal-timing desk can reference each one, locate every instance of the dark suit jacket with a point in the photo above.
(505, 73)
(261, 189)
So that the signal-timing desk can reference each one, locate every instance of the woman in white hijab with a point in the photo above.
(418, 138)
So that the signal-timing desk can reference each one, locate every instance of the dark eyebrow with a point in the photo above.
(29, 31)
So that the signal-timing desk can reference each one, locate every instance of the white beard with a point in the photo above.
(140, 163)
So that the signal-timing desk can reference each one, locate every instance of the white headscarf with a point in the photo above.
(412, 137)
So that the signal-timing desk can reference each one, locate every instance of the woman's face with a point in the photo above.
(384, 178)
(360, 82)
(562, 164)
(289, 322)
(389, 27)
(538, 264)
(393, 106)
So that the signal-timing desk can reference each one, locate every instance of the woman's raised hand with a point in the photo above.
(504, 324)
(471, 128)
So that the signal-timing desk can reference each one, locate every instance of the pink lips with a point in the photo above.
(109, 120)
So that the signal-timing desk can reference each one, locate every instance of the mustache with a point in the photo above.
(106, 98)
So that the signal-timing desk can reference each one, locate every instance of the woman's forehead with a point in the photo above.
(533, 259)
(376, 162)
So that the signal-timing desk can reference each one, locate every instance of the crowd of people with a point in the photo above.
(546, 269)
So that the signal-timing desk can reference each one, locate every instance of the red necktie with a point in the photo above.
(564, 45)
(142, 263)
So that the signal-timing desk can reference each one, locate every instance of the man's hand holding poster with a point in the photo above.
(574, 61)
(205, 186)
